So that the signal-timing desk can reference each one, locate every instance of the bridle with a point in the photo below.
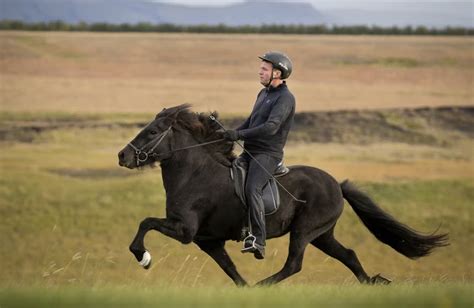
(142, 155)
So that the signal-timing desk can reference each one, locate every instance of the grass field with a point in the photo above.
(348, 295)
(69, 212)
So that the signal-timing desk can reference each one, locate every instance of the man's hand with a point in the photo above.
(231, 135)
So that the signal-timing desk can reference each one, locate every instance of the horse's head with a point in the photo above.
(172, 129)
(152, 140)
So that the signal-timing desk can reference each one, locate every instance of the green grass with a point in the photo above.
(405, 295)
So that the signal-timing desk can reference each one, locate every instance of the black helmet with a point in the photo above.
(279, 61)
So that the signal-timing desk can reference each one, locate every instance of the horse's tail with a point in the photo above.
(387, 229)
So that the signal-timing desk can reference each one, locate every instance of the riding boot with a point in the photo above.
(255, 242)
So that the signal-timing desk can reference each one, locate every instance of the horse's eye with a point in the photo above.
(153, 132)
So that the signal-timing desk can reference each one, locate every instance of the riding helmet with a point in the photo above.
(279, 61)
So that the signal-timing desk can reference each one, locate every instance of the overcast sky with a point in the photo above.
(347, 4)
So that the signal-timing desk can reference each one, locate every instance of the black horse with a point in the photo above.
(201, 205)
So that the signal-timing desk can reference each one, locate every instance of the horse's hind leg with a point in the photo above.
(329, 245)
(294, 261)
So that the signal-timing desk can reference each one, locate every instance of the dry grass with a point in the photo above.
(97, 72)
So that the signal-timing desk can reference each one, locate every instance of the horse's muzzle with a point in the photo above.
(123, 161)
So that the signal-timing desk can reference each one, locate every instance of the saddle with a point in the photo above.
(271, 196)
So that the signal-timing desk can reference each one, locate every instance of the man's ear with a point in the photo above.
(276, 73)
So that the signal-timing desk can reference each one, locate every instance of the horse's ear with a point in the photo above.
(214, 125)
(160, 113)
(172, 112)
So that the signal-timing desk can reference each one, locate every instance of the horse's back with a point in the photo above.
(321, 193)
(314, 178)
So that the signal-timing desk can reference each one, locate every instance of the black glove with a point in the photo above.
(231, 135)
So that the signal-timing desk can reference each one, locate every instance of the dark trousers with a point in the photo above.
(256, 180)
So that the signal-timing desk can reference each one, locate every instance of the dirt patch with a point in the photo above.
(433, 126)
(28, 131)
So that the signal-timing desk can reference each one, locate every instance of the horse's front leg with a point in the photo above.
(215, 249)
(183, 232)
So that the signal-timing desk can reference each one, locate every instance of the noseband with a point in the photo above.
(142, 155)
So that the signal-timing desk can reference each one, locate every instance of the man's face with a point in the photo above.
(265, 73)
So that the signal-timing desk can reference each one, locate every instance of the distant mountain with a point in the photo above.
(133, 11)
(255, 12)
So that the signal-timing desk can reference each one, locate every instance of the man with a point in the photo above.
(264, 134)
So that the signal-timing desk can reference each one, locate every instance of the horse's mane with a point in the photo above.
(203, 129)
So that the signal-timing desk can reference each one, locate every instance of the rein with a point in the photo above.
(142, 155)
(190, 147)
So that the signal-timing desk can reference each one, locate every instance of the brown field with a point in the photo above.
(96, 72)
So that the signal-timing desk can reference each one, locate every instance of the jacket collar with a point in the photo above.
(273, 89)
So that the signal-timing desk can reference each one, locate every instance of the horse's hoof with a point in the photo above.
(378, 279)
(146, 260)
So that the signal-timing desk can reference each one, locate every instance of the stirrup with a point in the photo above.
(250, 238)
(257, 249)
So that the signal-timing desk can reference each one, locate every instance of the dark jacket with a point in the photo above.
(266, 129)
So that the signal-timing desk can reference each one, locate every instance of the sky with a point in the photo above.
(324, 4)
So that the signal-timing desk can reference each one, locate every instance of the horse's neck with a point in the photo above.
(187, 169)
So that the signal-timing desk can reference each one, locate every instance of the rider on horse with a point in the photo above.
(264, 134)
